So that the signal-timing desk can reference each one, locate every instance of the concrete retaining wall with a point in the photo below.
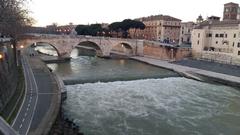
(165, 52)
(217, 57)
(8, 74)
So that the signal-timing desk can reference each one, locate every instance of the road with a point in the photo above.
(25, 116)
(42, 97)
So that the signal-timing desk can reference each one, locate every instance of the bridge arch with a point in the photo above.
(123, 48)
(90, 45)
(47, 44)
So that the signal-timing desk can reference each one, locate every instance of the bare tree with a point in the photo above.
(14, 16)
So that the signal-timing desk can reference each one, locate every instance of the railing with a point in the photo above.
(98, 37)
(5, 129)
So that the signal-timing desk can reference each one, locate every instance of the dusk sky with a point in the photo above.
(62, 12)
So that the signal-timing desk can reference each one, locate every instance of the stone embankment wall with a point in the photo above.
(165, 52)
(8, 73)
(217, 57)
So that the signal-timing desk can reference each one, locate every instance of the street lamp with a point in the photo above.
(21, 46)
(1, 56)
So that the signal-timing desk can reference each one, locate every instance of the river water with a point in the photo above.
(126, 97)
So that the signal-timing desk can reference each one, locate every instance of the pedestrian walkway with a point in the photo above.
(193, 73)
(228, 69)
(42, 98)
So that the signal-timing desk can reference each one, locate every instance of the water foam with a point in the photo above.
(154, 106)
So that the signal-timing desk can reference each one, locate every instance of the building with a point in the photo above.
(160, 27)
(199, 19)
(185, 32)
(230, 11)
(218, 40)
(66, 29)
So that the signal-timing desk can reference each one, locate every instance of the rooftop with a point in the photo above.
(218, 23)
(230, 3)
(158, 17)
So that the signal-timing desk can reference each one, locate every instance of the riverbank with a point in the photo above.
(53, 122)
(193, 73)
(64, 126)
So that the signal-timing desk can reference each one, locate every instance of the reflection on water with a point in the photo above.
(46, 49)
(93, 69)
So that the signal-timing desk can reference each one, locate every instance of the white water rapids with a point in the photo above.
(170, 106)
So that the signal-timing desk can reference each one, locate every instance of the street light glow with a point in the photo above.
(12, 46)
(21, 46)
(1, 56)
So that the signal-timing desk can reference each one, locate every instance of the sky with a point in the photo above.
(62, 12)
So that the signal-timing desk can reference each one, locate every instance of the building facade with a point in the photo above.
(185, 32)
(160, 27)
(230, 11)
(66, 29)
(217, 40)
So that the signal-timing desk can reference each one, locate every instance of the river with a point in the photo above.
(126, 97)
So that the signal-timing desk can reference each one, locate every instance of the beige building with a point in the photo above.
(160, 27)
(185, 32)
(217, 40)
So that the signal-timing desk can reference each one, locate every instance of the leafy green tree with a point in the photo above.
(92, 29)
(125, 25)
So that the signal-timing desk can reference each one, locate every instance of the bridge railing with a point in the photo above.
(103, 38)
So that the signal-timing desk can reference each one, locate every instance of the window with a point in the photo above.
(234, 36)
(233, 44)
(216, 42)
(198, 42)
(216, 35)
(209, 35)
(221, 35)
(225, 35)
(238, 45)
(199, 35)
(238, 52)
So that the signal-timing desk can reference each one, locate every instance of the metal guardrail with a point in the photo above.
(5, 129)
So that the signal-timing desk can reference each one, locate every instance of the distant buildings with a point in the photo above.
(52, 29)
(160, 27)
(219, 40)
(231, 11)
(185, 32)
(66, 29)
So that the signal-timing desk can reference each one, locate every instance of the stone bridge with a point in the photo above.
(104, 46)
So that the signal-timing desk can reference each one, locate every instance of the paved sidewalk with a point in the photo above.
(211, 66)
(49, 100)
(42, 101)
(193, 73)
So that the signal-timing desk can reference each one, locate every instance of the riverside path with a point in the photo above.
(42, 98)
(194, 73)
